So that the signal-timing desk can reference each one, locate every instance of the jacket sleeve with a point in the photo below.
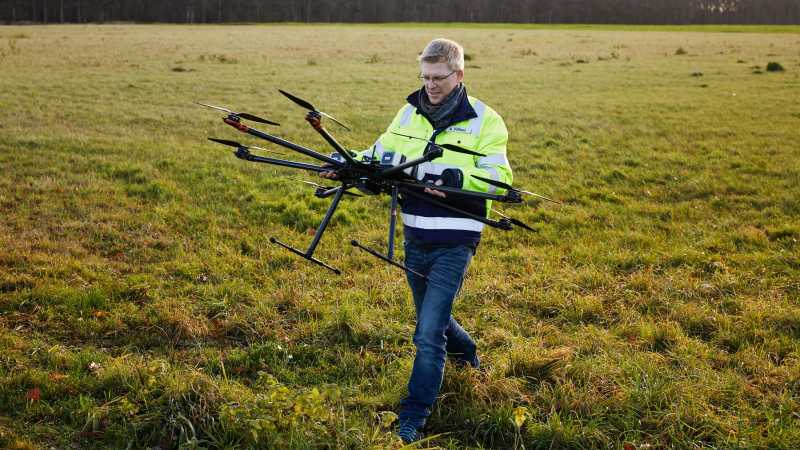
(492, 143)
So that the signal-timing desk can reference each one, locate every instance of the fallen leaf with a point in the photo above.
(387, 418)
(34, 394)
(520, 416)
(55, 376)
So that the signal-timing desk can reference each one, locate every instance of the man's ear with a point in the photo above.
(460, 75)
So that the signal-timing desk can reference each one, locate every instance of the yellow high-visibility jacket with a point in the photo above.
(474, 126)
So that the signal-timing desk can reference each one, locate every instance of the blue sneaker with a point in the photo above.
(409, 433)
(461, 360)
(474, 361)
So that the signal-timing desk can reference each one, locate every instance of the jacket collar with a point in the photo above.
(462, 113)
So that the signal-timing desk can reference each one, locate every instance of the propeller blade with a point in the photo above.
(299, 101)
(227, 142)
(242, 115)
(257, 119)
(238, 145)
(495, 183)
(509, 187)
(542, 197)
(409, 136)
(457, 149)
(312, 184)
(216, 107)
(520, 224)
(514, 221)
(319, 186)
(450, 147)
(334, 119)
(304, 104)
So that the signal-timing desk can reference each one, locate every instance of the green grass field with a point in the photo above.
(142, 305)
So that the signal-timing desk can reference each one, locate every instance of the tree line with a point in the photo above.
(511, 11)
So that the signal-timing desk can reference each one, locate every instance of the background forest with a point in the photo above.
(518, 11)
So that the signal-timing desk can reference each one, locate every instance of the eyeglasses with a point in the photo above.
(435, 79)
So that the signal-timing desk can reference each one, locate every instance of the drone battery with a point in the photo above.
(391, 159)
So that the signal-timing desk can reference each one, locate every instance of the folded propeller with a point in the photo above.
(304, 104)
(241, 115)
(325, 188)
(507, 186)
(513, 221)
(451, 147)
(238, 145)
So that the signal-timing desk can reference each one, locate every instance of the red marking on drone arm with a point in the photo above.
(314, 121)
(238, 125)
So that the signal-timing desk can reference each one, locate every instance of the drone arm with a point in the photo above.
(323, 192)
(429, 155)
(315, 120)
(428, 198)
(247, 156)
(496, 172)
(234, 122)
(419, 186)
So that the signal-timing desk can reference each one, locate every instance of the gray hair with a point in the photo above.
(444, 50)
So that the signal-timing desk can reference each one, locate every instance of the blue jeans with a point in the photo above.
(437, 333)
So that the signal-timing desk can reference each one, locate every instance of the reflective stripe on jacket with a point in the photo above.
(474, 126)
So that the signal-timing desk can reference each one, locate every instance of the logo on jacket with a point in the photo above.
(457, 130)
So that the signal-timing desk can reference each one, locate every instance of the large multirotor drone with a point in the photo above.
(391, 174)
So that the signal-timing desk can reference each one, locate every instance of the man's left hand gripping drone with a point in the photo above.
(371, 176)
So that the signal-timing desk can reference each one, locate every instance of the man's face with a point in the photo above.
(439, 80)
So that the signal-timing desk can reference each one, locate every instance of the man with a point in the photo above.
(440, 243)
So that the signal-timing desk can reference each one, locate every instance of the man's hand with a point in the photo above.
(434, 191)
(450, 177)
(329, 174)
